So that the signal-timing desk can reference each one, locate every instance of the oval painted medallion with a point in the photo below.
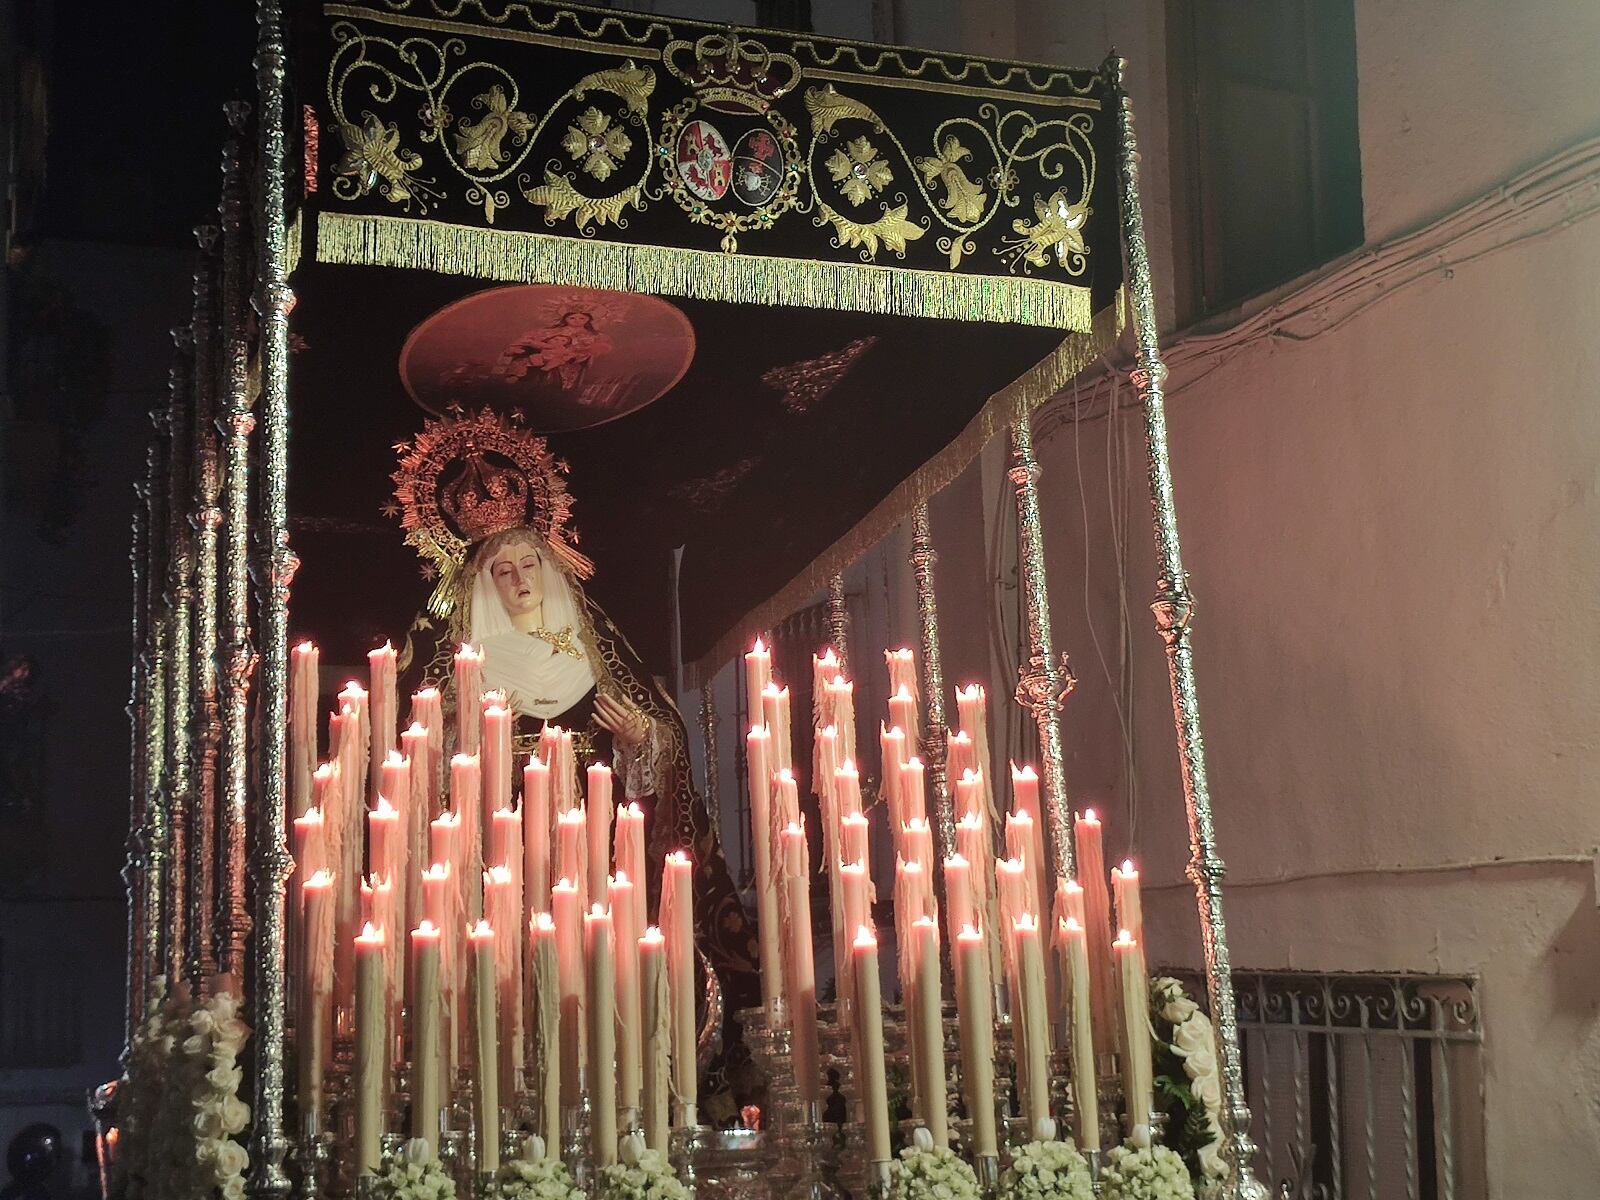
(757, 167)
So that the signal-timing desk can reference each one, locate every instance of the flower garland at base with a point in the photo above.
(184, 1109)
(1047, 1170)
(926, 1172)
(413, 1174)
(1145, 1173)
(641, 1175)
(535, 1177)
(1188, 1086)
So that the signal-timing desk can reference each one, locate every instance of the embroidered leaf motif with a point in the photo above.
(479, 145)
(964, 200)
(827, 106)
(561, 200)
(632, 84)
(858, 170)
(892, 229)
(596, 144)
(1058, 226)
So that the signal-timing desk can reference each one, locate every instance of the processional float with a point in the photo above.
(466, 208)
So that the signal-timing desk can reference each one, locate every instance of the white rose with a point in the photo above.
(233, 1189)
(207, 1122)
(1193, 1036)
(1208, 1091)
(224, 1079)
(232, 1159)
(235, 1114)
(1212, 1163)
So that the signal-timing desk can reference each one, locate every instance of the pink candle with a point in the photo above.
(824, 668)
(466, 801)
(959, 909)
(625, 918)
(1080, 1035)
(496, 756)
(757, 672)
(371, 1066)
(972, 705)
(959, 757)
(314, 1026)
(567, 914)
(546, 1030)
(869, 1036)
(385, 705)
(427, 710)
(429, 1048)
(758, 761)
(853, 842)
(902, 671)
(310, 845)
(597, 805)
(572, 857)
(600, 959)
(1022, 843)
(826, 744)
(1134, 992)
(1130, 910)
(903, 712)
(1097, 929)
(564, 772)
(1032, 1025)
(536, 836)
(854, 886)
(677, 924)
(800, 971)
(775, 715)
(970, 799)
(469, 687)
(629, 856)
(927, 1032)
(841, 704)
(847, 789)
(785, 798)
(656, 1025)
(913, 791)
(505, 841)
(892, 746)
(502, 906)
(302, 743)
(386, 851)
(916, 844)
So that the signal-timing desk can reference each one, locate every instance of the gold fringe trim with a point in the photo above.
(517, 256)
(1007, 406)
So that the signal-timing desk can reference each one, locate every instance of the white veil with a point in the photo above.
(538, 680)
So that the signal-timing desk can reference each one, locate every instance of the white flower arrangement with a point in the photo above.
(184, 1109)
(1145, 1173)
(1046, 1169)
(535, 1177)
(1194, 1043)
(926, 1172)
(413, 1174)
(216, 1035)
(642, 1174)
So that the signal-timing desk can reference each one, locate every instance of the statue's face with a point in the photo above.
(515, 571)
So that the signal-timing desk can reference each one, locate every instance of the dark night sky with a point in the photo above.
(136, 124)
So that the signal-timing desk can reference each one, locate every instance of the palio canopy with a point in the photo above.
(764, 292)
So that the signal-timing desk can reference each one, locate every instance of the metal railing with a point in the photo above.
(1363, 1087)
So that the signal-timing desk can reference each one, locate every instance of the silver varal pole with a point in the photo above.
(839, 620)
(1174, 608)
(155, 831)
(1044, 679)
(236, 422)
(179, 605)
(934, 744)
(133, 867)
(271, 862)
(204, 520)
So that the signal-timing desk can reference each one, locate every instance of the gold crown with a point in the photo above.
(466, 478)
(729, 62)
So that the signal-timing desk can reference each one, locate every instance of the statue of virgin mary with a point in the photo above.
(486, 505)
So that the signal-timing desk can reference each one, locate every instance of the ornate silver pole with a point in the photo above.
(134, 865)
(205, 728)
(1174, 607)
(1046, 680)
(179, 601)
(839, 620)
(235, 423)
(708, 739)
(156, 831)
(934, 745)
(276, 572)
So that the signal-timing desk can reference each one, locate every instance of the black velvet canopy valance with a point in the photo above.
(775, 290)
